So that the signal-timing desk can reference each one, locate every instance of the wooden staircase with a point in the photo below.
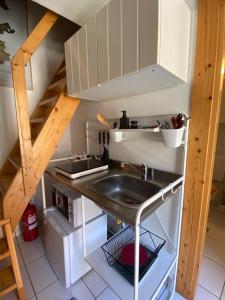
(39, 134)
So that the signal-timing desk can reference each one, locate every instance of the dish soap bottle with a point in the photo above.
(124, 121)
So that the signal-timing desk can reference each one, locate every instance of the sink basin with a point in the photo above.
(127, 190)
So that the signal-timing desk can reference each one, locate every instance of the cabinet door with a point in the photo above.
(92, 211)
(101, 23)
(75, 63)
(68, 67)
(129, 36)
(92, 53)
(115, 41)
(148, 32)
(82, 43)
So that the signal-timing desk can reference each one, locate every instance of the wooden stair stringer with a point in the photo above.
(15, 198)
(52, 132)
(15, 201)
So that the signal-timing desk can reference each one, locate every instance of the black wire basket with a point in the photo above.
(113, 248)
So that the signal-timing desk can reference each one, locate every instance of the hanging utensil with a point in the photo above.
(159, 123)
(167, 125)
(99, 141)
(103, 138)
(107, 138)
(102, 119)
(178, 121)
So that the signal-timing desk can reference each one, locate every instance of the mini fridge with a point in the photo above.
(64, 246)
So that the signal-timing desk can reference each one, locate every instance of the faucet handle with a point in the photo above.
(121, 164)
(143, 164)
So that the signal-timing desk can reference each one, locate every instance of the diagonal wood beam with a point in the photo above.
(22, 111)
(38, 34)
(52, 132)
(15, 201)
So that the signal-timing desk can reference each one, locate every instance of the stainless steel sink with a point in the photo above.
(127, 190)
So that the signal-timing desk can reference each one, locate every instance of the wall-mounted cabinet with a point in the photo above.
(130, 47)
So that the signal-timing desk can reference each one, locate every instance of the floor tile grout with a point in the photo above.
(21, 254)
(102, 292)
(223, 266)
(88, 287)
(222, 290)
(208, 290)
(216, 239)
(36, 294)
(26, 265)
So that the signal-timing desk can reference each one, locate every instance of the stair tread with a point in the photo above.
(37, 120)
(48, 100)
(5, 181)
(57, 83)
(61, 70)
(15, 161)
(7, 281)
(4, 250)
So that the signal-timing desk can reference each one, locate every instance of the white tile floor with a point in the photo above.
(41, 283)
(212, 271)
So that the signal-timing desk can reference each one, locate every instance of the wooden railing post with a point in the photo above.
(23, 120)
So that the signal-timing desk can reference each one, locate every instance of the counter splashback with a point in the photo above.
(137, 148)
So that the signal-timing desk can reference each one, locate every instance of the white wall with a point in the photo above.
(44, 63)
(173, 100)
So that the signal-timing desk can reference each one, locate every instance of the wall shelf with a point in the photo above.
(137, 130)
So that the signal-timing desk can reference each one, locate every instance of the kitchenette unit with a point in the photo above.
(133, 172)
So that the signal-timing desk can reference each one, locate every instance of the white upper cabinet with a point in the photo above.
(147, 32)
(92, 54)
(130, 47)
(83, 62)
(102, 45)
(130, 36)
(115, 39)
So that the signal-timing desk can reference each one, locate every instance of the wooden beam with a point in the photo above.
(15, 201)
(22, 111)
(14, 261)
(38, 34)
(51, 133)
(205, 109)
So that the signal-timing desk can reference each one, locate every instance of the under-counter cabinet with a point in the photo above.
(130, 47)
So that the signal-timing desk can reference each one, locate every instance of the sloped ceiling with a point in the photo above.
(78, 11)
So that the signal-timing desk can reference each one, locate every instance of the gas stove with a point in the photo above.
(79, 165)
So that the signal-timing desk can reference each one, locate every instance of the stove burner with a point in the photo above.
(76, 167)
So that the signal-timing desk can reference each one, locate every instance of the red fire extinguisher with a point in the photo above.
(30, 223)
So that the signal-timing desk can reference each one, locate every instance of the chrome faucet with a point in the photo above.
(145, 171)
(145, 175)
